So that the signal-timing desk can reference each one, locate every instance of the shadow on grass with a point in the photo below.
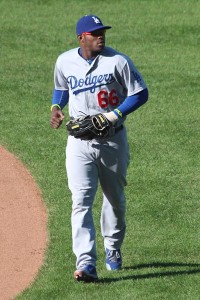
(193, 269)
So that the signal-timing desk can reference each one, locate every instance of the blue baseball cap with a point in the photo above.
(89, 23)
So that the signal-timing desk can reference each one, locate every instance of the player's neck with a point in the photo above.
(88, 55)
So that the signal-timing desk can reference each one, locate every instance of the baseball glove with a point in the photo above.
(90, 127)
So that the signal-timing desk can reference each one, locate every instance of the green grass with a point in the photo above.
(161, 249)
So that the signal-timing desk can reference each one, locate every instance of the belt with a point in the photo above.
(119, 128)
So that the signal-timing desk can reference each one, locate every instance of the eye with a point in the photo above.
(98, 32)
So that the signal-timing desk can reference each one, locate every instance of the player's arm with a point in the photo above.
(60, 95)
(136, 88)
(130, 104)
(59, 100)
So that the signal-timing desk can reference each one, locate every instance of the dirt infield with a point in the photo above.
(23, 234)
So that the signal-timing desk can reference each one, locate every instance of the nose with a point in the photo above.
(101, 36)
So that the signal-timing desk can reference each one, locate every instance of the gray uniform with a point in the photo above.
(97, 87)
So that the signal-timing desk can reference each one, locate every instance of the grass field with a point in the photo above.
(161, 251)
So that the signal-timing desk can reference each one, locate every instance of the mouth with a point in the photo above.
(101, 44)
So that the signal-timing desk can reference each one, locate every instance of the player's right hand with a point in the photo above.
(57, 117)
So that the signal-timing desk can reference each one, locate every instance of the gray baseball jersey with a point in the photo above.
(97, 87)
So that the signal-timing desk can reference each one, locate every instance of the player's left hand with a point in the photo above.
(111, 117)
(90, 127)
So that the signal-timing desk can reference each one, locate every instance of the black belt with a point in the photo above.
(119, 128)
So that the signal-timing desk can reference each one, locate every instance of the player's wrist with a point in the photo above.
(57, 106)
(118, 113)
(111, 116)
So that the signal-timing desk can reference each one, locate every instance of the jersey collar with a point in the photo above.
(90, 61)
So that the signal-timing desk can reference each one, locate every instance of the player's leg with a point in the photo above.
(115, 160)
(82, 181)
(113, 223)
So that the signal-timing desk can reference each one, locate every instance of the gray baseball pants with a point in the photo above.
(87, 163)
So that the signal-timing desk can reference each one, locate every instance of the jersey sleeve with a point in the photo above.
(132, 79)
(60, 82)
(131, 103)
(60, 98)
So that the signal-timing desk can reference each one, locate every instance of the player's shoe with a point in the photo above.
(87, 274)
(113, 260)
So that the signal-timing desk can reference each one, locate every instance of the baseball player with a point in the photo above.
(91, 79)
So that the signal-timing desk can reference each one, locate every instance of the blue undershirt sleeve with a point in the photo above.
(60, 97)
(132, 103)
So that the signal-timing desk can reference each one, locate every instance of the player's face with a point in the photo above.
(93, 41)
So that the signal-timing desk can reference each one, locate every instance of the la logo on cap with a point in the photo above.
(96, 20)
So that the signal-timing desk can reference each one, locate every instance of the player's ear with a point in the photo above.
(79, 37)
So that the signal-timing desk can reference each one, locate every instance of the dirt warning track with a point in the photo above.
(23, 222)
